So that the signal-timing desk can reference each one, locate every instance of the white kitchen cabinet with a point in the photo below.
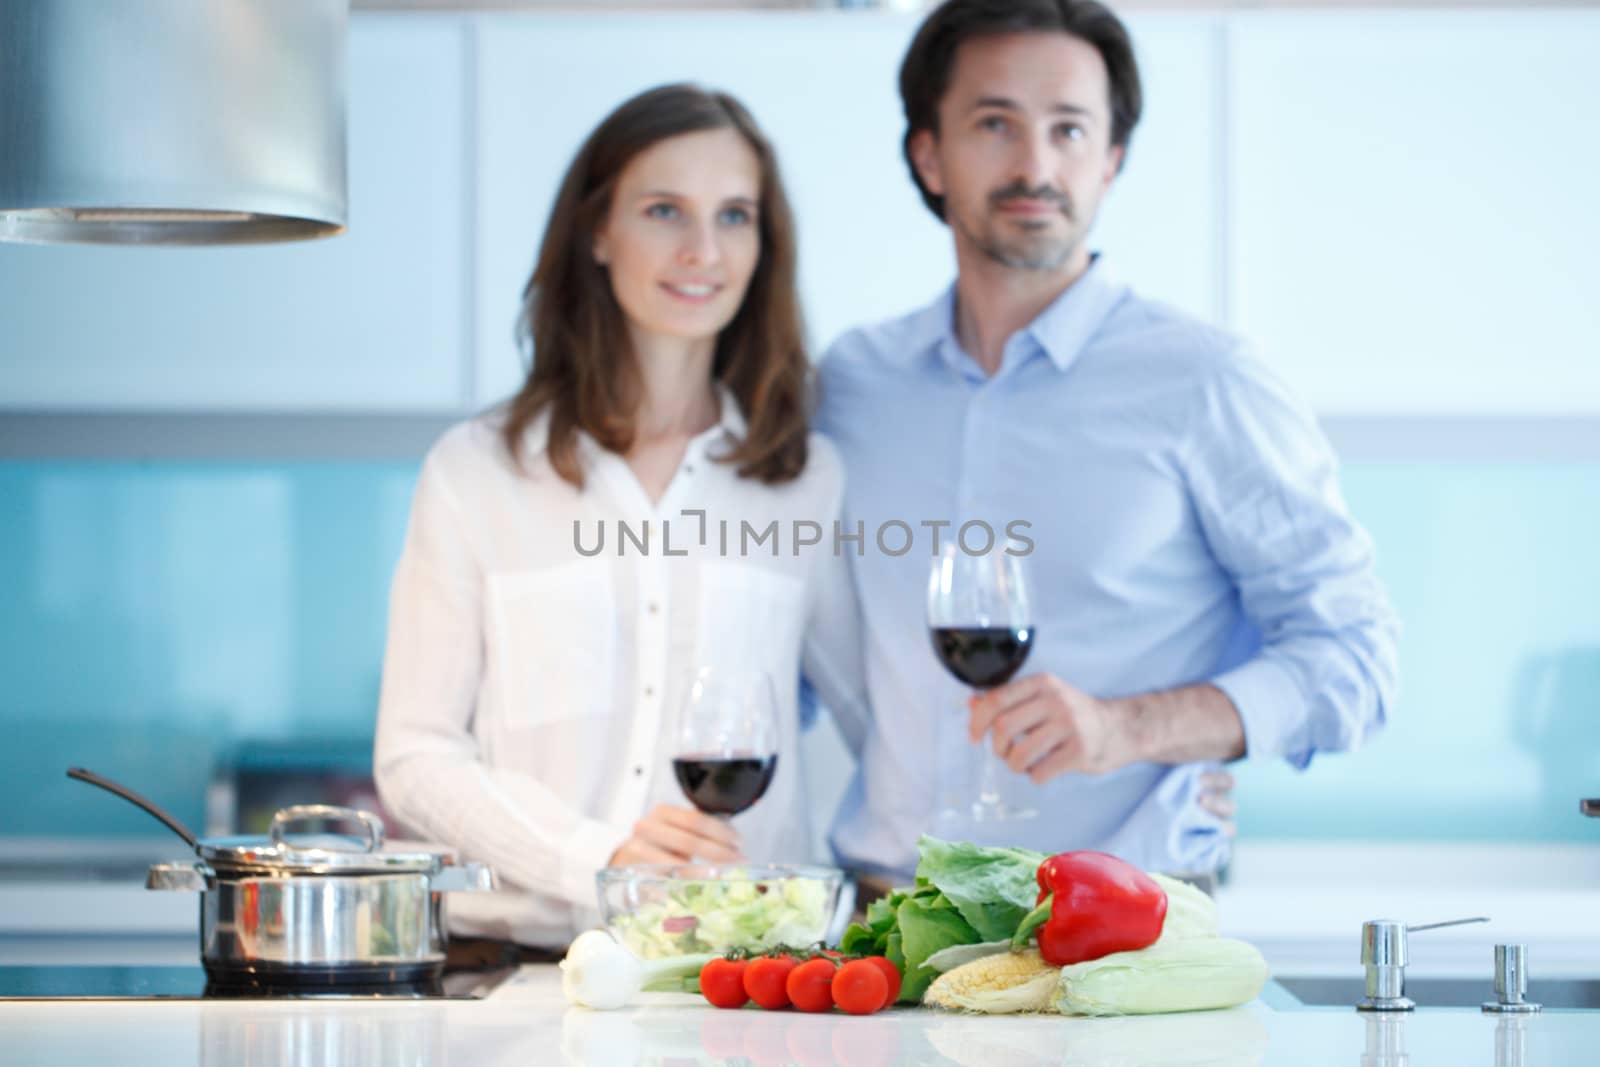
(1411, 204)
(371, 320)
(1159, 225)
(824, 88)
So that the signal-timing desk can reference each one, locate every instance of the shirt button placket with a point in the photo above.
(652, 662)
(972, 434)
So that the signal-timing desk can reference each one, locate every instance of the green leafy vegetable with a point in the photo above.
(926, 926)
(992, 888)
(964, 894)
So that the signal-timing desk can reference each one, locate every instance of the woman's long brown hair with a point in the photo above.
(583, 367)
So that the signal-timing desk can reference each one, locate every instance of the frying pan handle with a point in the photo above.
(129, 795)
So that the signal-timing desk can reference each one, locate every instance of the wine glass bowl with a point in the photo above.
(726, 750)
(980, 619)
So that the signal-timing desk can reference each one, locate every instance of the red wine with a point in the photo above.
(983, 657)
(724, 785)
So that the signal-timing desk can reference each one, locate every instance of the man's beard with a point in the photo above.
(1042, 251)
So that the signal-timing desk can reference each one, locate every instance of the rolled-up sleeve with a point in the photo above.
(1265, 484)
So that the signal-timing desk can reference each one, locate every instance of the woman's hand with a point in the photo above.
(670, 834)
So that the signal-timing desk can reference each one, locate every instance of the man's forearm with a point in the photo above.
(1194, 723)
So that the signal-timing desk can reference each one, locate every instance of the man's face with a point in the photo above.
(1023, 155)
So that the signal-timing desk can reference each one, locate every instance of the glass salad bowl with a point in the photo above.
(660, 910)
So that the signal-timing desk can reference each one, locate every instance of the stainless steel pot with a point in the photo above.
(323, 908)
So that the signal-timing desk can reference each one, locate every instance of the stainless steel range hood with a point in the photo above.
(171, 121)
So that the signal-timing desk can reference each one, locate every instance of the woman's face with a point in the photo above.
(681, 239)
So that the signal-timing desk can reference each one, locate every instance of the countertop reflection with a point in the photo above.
(526, 1021)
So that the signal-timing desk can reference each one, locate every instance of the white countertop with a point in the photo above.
(526, 1022)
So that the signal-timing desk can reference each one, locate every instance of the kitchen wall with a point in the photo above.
(1410, 242)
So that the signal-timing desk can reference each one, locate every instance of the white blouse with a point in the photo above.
(529, 690)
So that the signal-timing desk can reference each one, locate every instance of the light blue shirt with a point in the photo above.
(1187, 527)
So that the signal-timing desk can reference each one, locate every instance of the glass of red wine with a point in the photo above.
(727, 741)
(981, 620)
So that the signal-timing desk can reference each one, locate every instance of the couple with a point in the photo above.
(1201, 593)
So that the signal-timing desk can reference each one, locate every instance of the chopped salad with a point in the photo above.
(719, 916)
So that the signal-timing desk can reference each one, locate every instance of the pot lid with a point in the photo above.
(282, 852)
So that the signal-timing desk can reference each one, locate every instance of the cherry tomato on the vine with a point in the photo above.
(765, 980)
(810, 985)
(891, 974)
(722, 983)
(860, 988)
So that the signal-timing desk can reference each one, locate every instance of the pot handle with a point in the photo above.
(369, 821)
(462, 877)
(187, 877)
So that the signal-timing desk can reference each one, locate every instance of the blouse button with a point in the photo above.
(638, 772)
(654, 607)
(649, 691)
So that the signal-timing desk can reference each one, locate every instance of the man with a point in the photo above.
(1200, 592)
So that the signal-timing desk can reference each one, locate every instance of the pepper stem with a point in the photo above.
(1032, 921)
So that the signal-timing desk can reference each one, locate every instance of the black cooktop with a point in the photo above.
(192, 983)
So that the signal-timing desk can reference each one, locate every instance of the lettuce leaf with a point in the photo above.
(964, 894)
(992, 888)
(926, 926)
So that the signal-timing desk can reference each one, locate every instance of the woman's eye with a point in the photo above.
(993, 123)
(736, 216)
(661, 211)
(1070, 131)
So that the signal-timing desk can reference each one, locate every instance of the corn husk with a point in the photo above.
(948, 959)
(1190, 913)
(1000, 984)
(1181, 974)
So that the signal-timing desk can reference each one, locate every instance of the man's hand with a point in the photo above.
(1216, 796)
(671, 834)
(1043, 727)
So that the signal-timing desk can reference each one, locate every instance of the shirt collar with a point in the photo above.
(1064, 328)
(1061, 330)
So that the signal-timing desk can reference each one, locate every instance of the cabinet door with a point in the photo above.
(1159, 225)
(370, 320)
(1412, 207)
(824, 87)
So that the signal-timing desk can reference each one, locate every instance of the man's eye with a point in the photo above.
(661, 211)
(993, 123)
(1071, 131)
(735, 216)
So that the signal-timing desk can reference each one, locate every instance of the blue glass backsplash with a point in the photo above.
(154, 617)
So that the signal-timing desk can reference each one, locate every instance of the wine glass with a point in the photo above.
(727, 741)
(981, 621)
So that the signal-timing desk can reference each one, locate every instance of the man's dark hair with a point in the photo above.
(925, 72)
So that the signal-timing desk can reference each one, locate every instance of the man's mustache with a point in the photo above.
(1021, 191)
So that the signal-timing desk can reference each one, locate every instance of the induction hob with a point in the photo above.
(48, 982)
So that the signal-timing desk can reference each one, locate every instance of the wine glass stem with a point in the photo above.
(988, 770)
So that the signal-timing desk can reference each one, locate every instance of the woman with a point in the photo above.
(531, 682)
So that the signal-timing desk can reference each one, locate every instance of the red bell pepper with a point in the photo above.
(1091, 905)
